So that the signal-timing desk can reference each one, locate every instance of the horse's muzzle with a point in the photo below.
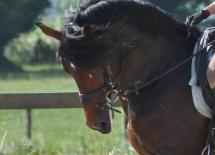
(103, 127)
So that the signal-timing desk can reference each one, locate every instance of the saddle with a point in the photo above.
(201, 64)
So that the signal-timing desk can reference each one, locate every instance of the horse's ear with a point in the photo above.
(49, 31)
(86, 30)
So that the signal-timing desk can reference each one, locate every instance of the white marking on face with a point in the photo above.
(90, 75)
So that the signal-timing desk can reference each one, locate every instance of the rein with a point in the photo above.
(140, 85)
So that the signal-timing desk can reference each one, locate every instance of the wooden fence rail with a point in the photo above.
(41, 100)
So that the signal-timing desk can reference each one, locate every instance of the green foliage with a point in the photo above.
(31, 47)
(61, 6)
(181, 8)
(17, 17)
(34, 46)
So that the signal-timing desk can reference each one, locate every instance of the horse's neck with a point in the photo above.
(155, 56)
(160, 56)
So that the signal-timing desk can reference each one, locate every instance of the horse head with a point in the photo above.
(93, 81)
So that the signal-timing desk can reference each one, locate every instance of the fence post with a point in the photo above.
(28, 124)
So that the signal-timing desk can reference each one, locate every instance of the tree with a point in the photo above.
(17, 17)
(181, 8)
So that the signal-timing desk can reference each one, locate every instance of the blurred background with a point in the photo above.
(28, 63)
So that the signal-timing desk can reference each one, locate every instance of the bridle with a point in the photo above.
(108, 88)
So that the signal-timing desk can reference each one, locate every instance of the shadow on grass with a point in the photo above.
(34, 71)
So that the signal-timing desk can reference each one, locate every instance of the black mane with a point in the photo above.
(89, 3)
(145, 17)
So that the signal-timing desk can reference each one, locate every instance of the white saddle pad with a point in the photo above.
(198, 99)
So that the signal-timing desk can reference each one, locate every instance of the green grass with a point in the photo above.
(37, 78)
(55, 131)
(38, 84)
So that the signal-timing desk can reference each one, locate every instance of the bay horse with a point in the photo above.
(115, 45)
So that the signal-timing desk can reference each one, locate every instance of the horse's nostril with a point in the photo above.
(104, 125)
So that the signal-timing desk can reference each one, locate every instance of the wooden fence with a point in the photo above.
(41, 100)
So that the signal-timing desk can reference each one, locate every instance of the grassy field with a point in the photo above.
(55, 132)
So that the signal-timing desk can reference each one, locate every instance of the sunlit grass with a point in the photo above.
(59, 132)
(38, 84)
(37, 78)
